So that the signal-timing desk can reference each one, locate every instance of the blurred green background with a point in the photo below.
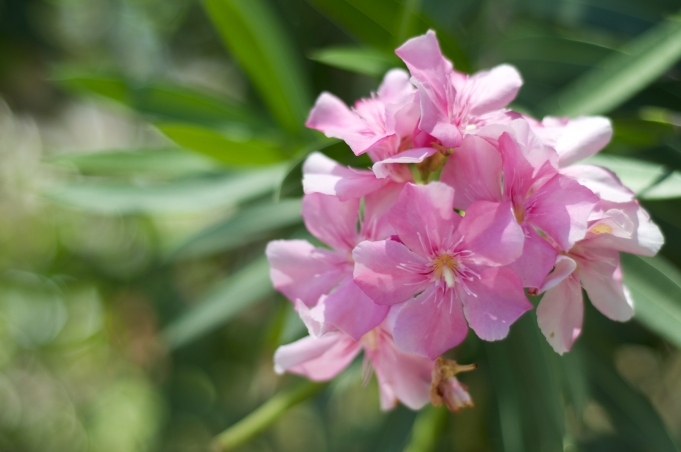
(150, 149)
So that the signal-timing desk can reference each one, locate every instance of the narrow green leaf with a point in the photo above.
(259, 43)
(246, 226)
(647, 180)
(221, 147)
(159, 99)
(427, 429)
(234, 294)
(196, 195)
(356, 59)
(622, 75)
(655, 286)
(170, 162)
(632, 415)
(264, 416)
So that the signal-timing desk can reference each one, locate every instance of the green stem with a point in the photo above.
(427, 429)
(264, 416)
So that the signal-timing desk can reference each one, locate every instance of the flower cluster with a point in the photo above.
(412, 264)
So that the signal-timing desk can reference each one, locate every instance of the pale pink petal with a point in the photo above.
(625, 227)
(407, 376)
(381, 169)
(493, 89)
(319, 359)
(564, 267)
(495, 301)
(331, 116)
(351, 311)
(536, 261)
(560, 209)
(560, 314)
(313, 318)
(326, 176)
(583, 137)
(430, 324)
(375, 225)
(603, 182)
(491, 233)
(301, 271)
(332, 221)
(388, 272)
(395, 87)
(474, 170)
(602, 280)
(423, 216)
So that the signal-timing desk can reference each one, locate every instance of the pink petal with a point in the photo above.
(324, 175)
(430, 324)
(405, 377)
(475, 172)
(388, 272)
(564, 267)
(602, 280)
(583, 137)
(375, 225)
(496, 300)
(332, 221)
(395, 87)
(381, 169)
(351, 311)
(493, 89)
(423, 216)
(536, 261)
(301, 271)
(491, 232)
(603, 182)
(319, 359)
(561, 209)
(331, 116)
(560, 313)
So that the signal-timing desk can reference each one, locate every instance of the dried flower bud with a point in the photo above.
(446, 389)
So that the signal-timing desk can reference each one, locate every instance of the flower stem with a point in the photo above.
(264, 416)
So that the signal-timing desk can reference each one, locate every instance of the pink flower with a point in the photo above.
(593, 263)
(443, 267)
(322, 276)
(453, 103)
(401, 376)
(383, 126)
(509, 164)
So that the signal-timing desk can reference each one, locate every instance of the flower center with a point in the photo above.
(444, 267)
(519, 213)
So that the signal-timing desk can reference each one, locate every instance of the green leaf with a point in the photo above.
(356, 59)
(170, 162)
(232, 151)
(259, 43)
(428, 428)
(246, 226)
(230, 297)
(196, 195)
(384, 24)
(622, 75)
(633, 416)
(655, 286)
(647, 180)
(159, 99)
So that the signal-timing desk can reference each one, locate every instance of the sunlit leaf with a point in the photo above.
(246, 226)
(168, 162)
(226, 300)
(232, 151)
(655, 285)
(647, 180)
(622, 75)
(259, 43)
(196, 195)
(159, 99)
(356, 59)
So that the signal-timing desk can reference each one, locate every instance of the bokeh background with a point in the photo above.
(149, 149)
